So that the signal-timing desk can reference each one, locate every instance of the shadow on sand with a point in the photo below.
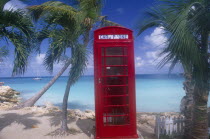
(56, 117)
(25, 119)
(87, 126)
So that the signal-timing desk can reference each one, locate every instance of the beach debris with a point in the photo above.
(8, 97)
(78, 114)
(60, 132)
(37, 109)
(34, 126)
(90, 114)
(49, 104)
(1, 83)
(50, 107)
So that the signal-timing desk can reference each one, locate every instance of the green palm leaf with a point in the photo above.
(16, 27)
(182, 31)
(4, 52)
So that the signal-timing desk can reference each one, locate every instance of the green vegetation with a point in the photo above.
(187, 25)
(65, 27)
(3, 53)
(16, 27)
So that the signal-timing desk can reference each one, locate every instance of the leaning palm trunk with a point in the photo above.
(30, 102)
(64, 127)
(187, 104)
(200, 117)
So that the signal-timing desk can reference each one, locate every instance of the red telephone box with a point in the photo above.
(115, 101)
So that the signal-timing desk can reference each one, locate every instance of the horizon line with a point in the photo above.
(89, 75)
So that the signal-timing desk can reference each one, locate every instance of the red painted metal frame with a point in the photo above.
(107, 130)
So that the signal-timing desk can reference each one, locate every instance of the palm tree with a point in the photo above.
(3, 53)
(78, 66)
(187, 25)
(53, 10)
(68, 37)
(186, 105)
(66, 26)
(16, 27)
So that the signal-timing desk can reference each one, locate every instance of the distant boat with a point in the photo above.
(37, 78)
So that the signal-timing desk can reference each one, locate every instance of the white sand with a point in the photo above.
(40, 123)
(25, 124)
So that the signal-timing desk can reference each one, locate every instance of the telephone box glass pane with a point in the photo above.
(116, 80)
(116, 120)
(116, 111)
(115, 51)
(116, 116)
(121, 100)
(115, 70)
(115, 89)
(116, 61)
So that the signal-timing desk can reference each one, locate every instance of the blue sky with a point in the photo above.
(125, 12)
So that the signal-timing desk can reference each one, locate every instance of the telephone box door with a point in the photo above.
(114, 84)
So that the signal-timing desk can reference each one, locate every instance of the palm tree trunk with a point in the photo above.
(64, 127)
(187, 104)
(200, 117)
(30, 102)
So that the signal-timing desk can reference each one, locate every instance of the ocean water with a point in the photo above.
(154, 93)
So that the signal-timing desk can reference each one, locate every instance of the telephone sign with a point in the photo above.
(113, 36)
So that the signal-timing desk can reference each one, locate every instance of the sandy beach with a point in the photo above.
(39, 123)
(42, 122)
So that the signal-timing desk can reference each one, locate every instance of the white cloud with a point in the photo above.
(153, 54)
(139, 64)
(156, 38)
(154, 57)
(40, 58)
(14, 5)
(138, 58)
(139, 61)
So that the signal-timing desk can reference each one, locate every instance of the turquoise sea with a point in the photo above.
(154, 93)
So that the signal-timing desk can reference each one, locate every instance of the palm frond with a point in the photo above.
(74, 25)
(22, 51)
(16, 27)
(182, 39)
(16, 20)
(4, 52)
(79, 62)
(55, 8)
(91, 8)
(2, 3)
(60, 40)
(104, 22)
